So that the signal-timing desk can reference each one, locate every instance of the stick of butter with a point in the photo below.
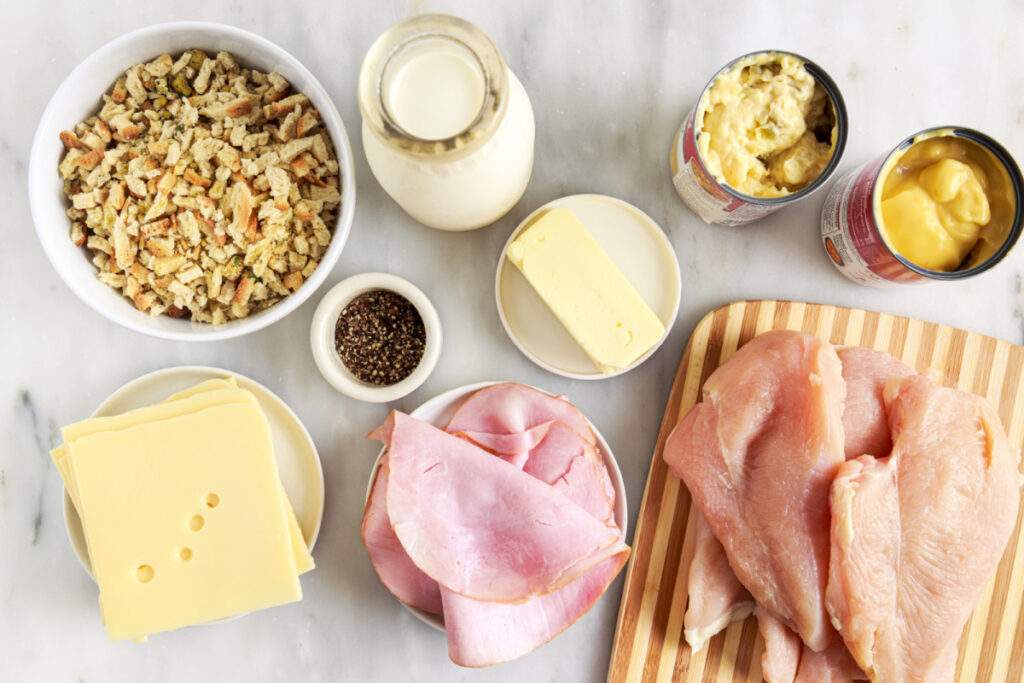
(584, 288)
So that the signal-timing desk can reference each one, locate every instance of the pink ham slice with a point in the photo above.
(448, 501)
(865, 426)
(479, 633)
(396, 571)
(486, 633)
(758, 455)
(482, 633)
(509, 418)
(916, 536)
(586, 483)
(554, 441)
(562, 458)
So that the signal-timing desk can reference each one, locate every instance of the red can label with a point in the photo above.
(851, 236)
(701, 191)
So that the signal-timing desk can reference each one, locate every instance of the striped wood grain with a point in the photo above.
(649, 643)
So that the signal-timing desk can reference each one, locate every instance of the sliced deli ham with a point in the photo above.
(486, 633)
(545, 436)
(396, 570)
(566, 460)
(564, 455)
(502, 417)
(558, 456)
(477, 525)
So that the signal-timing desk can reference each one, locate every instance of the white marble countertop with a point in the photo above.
(610, 83)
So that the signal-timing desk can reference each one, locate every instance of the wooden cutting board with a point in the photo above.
(649, 642)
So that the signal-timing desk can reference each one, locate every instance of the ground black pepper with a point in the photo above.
(380, 337)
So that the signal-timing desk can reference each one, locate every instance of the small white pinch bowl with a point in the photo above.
(78, 97)
(321, 337)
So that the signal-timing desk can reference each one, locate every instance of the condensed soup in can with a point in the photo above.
(768, 130)
(945, 204)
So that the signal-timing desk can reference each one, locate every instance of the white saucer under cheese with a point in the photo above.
(637, 246)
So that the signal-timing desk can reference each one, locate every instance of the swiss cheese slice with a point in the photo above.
(203, 395)
(184, 518)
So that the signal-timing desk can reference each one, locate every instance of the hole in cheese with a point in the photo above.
(212, 500)
(185, 554)
(144, 573)
(196, 523)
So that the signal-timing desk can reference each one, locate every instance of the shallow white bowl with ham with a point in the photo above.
(439, 412)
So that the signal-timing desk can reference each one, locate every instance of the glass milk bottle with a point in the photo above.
(448, 129)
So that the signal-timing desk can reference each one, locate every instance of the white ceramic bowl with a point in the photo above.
(321, 337)
(439, 411)
(78, 97)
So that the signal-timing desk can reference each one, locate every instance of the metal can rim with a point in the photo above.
(1016, 179)
(838, 108)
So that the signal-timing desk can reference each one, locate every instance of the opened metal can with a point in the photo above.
(851, 219)
(711, 198)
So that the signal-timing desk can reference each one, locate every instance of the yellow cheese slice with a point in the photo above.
(585, 290)
(203, 395)
(303, 558)
(90, 426)
(208, 385)
(184, 519)
(159, 411)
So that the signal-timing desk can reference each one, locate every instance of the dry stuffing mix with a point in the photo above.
(202, 188)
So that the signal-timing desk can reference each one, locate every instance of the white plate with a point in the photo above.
(439, 410)
(636, 244)
(297, 460)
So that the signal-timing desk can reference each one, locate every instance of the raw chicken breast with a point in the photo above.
(758, 455)
(865, 426)
(716, 597)
(787, 660)
(916, 536)
(834, 664)
(781, 656)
